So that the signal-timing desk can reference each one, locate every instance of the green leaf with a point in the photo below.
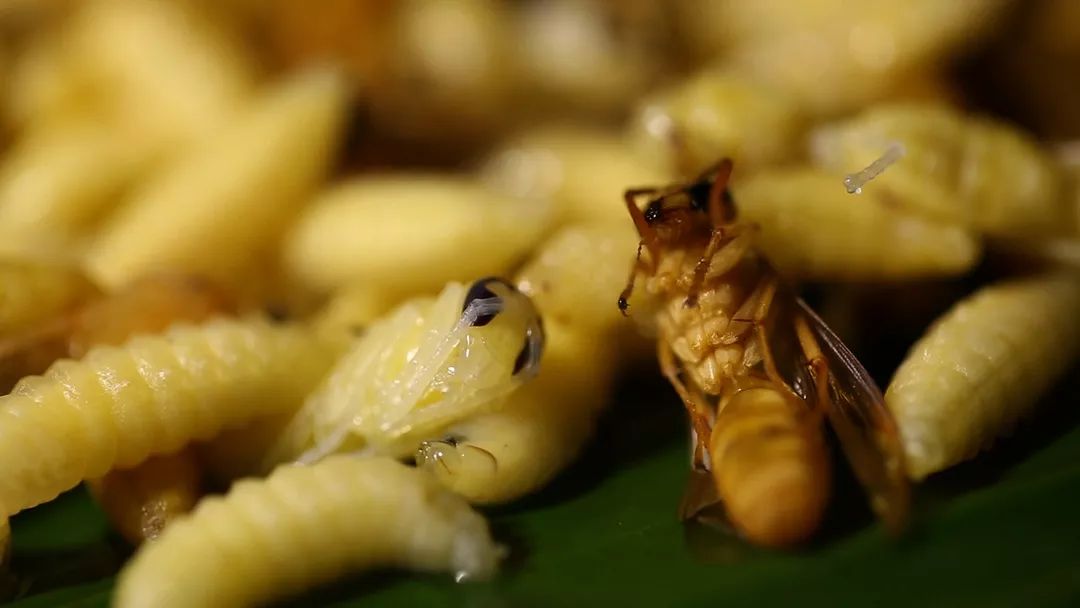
(1002, 531)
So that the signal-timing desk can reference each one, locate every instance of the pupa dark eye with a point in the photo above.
(487, 303)
(527, 363)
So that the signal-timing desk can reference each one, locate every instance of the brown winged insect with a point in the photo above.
(757, 370)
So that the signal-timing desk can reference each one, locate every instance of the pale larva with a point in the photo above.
(503, 455)
(307, 525)
(715, 114)
(982, 367)
(973, 171)
(118, 406)
(409, 234)
(812, 229)
(427, 365)
(578, 171)
(223, 203)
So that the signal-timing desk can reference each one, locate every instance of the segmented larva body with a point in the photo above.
(982, 367)
(120, 405)
(305, 525)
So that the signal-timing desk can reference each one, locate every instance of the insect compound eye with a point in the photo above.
(527, 363)
(482, 303)
(652, 212)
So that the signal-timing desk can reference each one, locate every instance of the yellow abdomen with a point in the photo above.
(770, 466)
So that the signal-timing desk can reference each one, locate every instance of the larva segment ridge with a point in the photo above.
(982, 367)
(120, 405)
(305, 525)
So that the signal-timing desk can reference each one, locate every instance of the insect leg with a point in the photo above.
(740, 242)
(767, 289)
(624, 296)
(872, 449)
(819, 366)
(718, 207)
(693, 403)
(647, 233)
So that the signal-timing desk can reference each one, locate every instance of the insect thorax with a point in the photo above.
(712, 338)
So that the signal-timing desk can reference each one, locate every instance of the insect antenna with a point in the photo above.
(649, 240)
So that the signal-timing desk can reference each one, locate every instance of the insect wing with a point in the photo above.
(865, 428)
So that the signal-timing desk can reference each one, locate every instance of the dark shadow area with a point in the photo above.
(644, 417)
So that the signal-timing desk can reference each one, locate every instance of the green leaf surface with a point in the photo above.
(1003, 531)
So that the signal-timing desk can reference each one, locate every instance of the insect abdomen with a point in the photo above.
(119, 406)
(770, 466)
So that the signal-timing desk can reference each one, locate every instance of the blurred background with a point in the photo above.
(107, 109)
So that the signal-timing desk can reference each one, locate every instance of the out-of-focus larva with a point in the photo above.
(152, 93)
(120, 405)
(56, 183)
(407, 234)
(503, 455)
(32, 292)
(46, 86)
(982, 367)
(576, 170)
(429, 364)
(830, 57)
(435, 79)
(969, 170)
(219, 207)
(810, 228)
(141, 502)
(716, 114)
(590, 56)
(304, 526)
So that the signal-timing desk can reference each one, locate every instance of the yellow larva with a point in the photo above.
(831, 57)
(221, 205)
(120, 405)
(185, 82)
(812, 228)
(581, 172)
(406, 234)
(572, 276)
(973, 171)
(714, 115)
(304, 526)
(55, 184)
(31, 292)
(982, 367)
